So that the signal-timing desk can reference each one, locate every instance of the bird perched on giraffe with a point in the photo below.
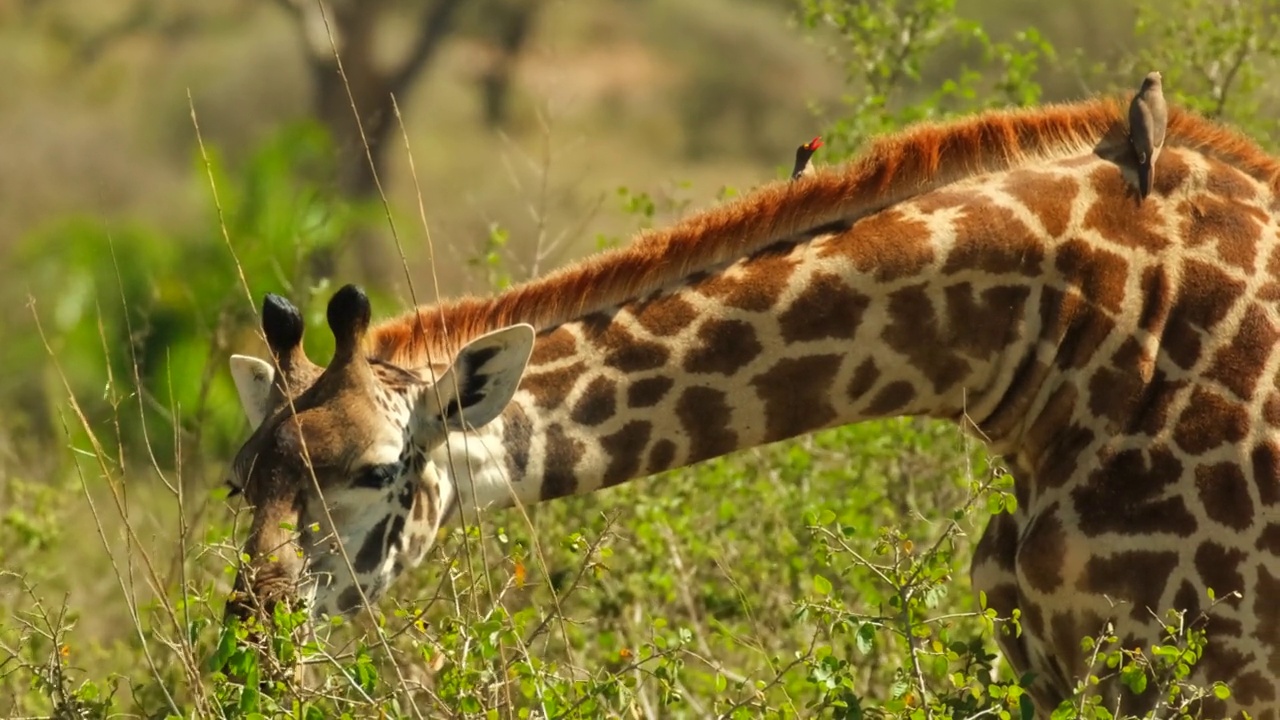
(804, 154)
(1148, 120)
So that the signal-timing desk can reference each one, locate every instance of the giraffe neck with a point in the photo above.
(923, 309)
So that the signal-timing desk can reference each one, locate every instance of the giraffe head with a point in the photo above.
(343, 468)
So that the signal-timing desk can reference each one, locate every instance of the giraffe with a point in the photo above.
(1123, 359)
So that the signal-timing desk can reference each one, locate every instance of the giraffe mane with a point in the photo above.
(893, 168)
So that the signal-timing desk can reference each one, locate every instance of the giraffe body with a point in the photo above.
(1125, 363)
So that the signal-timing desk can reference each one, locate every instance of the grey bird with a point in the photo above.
(803, 155)
(1148, 120)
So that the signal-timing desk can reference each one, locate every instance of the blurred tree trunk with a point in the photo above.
(512, 22)
(354, 25)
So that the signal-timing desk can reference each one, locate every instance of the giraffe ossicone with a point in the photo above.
(1124, 360)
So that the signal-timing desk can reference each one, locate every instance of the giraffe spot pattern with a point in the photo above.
(648, 392)
(625, 448)
(1224, 492)
(886, 245)
(990, 320)
(556, 344)
(1075, 325)
(562, 453)
(1049, 197)
(992, 240)
(1269, 539)
(1208, 294)
(795, 393)
(1115, 216)
(1240, 363)
(516, 440)
(864, 378)
(1097, 273)
(664, 315)
(1126, 495)
(1219, 569)
(661, 456)
(622, 350)
(1210, 420)
(1267, 610)
(826, 308)
(1265, 461)
(1139, 576)
(597, 403)
(1042, 550)
(1233, 229)
(915, 331)
(704, 413)
(759, 283)
(549, 388)
(891, 398)
(727, 347)
(1226, 181)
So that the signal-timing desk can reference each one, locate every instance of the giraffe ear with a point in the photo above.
(482, 380)
(253, 381)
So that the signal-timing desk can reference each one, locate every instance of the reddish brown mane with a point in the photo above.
(893, 168)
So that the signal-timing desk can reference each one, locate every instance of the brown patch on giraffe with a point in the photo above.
(1003, 598)
(1267, 610)
(1265, 461)
(1009, 414)
(755, 284)
(1252, 688)
(664, 315)
(349, 599)
(704, 413)
(1116, 217)
(1210, 420)
(826, 308)
(1187, 599)
(1240, 363)
(1099, 274)
(1269, 539)
(560, 472)
(550, 388)
(887, 245)
(1233, 228)
(620, 348)
(661, 456)
(1158, 297)
(914, 330)
(727, 347)
(1224, 492)
(1066, 630)
(1221, 661)
(1042, 550)
(891, 398)
(598, 402)
(988, 320)
(1151, 415)
(1126, 495)
(999, 543)
(1077, 327)
(794, 392)
(1219, 569)
(1175, 172)
(1224, 180)
(648, 392)
(1049, 197)
(624, 449)
(944, 199)
(1271, 409)
(1052, 436)
(1207, 295)
(516, 441)
(864, 378)
(1113, 393)
(1135, 576)
(553, 345)
(992, 240)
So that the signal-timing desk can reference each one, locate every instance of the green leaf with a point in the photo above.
(821, 585)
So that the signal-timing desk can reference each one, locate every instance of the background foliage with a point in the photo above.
(825, 577)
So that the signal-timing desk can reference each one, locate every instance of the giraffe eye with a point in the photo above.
(377, 477)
